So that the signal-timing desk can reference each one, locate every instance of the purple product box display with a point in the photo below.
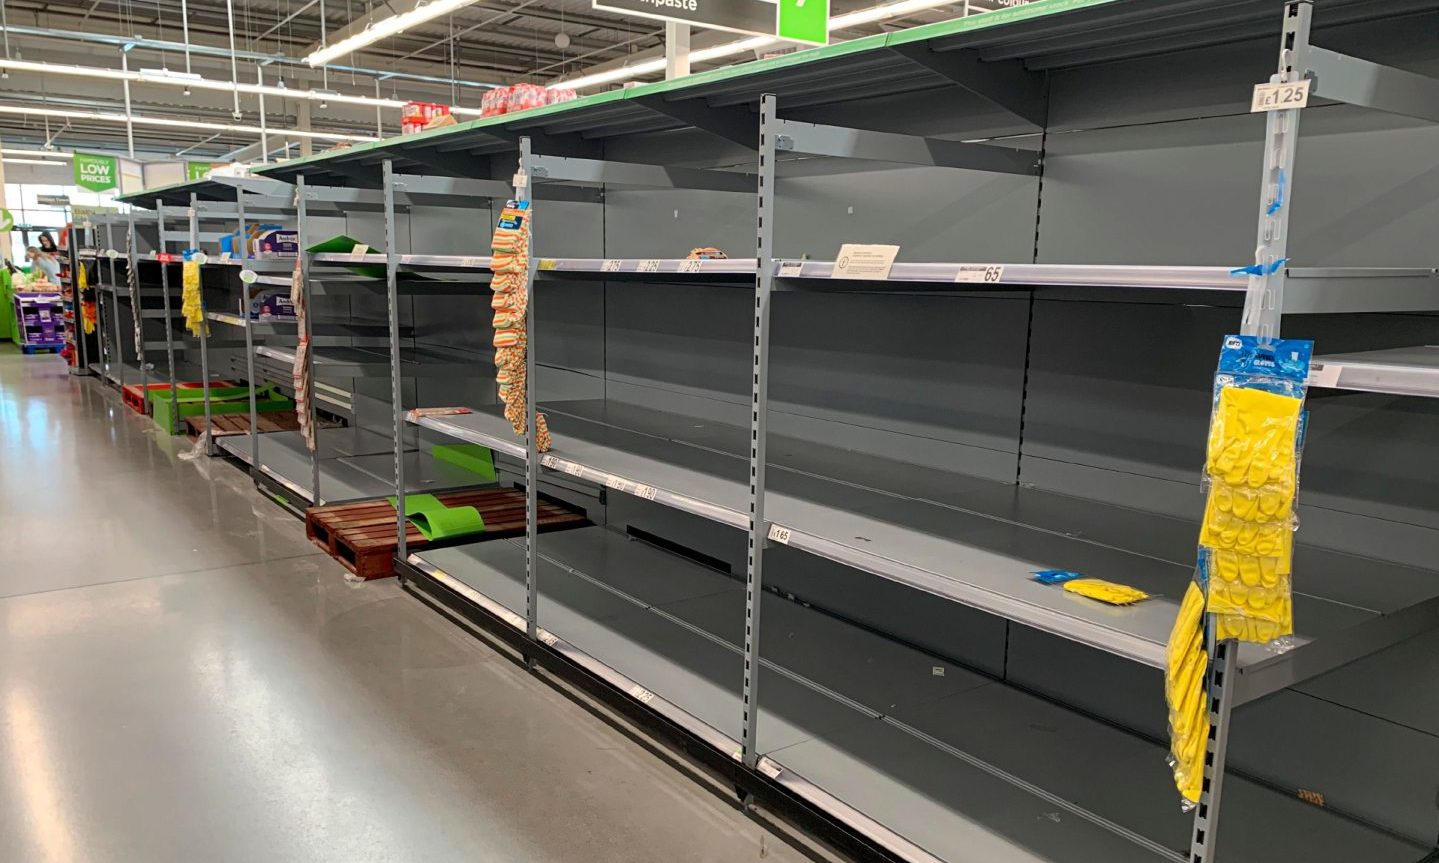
(277, 244)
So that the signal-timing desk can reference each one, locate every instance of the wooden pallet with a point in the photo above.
(361, 535)
(225, 425)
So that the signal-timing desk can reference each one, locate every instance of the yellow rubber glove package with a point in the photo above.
(1256, 433)
(1184, 684)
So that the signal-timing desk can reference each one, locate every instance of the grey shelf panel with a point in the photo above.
(1397, 371)
(345, 474)
(927, 767)
(1310, 289)
(417, 263)
(338, 362)
(960, 538)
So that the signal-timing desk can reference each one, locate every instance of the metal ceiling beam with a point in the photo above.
(1004, 84)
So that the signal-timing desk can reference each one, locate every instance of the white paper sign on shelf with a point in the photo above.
(779, 534)
(573, 469)
(690, 266)
(550, 462)
(790, 269)
(1280, 97)
(649, 265)
(1325, 375)
(610, 266)
(867, 262)
(358, 252)
(980, 273)
(200, 258)
(224, 256)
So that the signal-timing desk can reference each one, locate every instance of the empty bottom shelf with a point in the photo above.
(354, 464)
(928, 759)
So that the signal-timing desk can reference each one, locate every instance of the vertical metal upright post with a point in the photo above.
(392, 264)
(1264, 300)
(244, 310)
(77, 303)
(169, 324)
(1263, 311)
(532, 452)
(759, 420)
(302, 228)
(240, 216)
(137, 304)
(205, 435)
(103, 313)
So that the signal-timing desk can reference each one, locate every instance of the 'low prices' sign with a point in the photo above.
(96, 173)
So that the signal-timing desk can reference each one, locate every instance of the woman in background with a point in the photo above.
(47, 245)
(48, 264)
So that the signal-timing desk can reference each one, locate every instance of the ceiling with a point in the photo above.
(451, 60)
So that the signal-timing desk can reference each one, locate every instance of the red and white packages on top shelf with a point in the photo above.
(415, 115)
(522, 97)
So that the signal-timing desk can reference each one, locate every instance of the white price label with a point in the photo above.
(520, 180)
(870, 262)
(548, 637)
(610, 266)
(573, 469)
(649, 265)
(768, 768)
(617, 484)
(980, 273)
(640, 694)
(224, 256)
(1280, 97)
(200, 258)
(1325, 375)
(472, 263)
(779, 534)
(789, 269)
(647, 492)
(690, 266)
(550, 461)
(358, 252)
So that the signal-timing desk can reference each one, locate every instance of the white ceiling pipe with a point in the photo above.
(167, 78)
(142, 120)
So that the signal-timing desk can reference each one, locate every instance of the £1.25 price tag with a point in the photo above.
(1280, 97)
(779, 534)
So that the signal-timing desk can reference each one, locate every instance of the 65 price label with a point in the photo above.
(989, 274)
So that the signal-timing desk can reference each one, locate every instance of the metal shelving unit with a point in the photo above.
(749, 613)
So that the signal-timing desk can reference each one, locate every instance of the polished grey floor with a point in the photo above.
(183, 678)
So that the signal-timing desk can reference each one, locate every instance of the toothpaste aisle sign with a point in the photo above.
(796, 20)
(96, 173)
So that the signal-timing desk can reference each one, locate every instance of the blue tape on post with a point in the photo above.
(1278, 203)
(1259, 269)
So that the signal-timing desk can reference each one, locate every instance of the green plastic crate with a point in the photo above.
(223, 400)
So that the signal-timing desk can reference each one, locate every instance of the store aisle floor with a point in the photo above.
(183, 678)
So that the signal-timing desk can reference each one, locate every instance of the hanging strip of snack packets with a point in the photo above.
(510, 250)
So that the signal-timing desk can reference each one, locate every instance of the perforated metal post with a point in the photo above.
(105, 309)
(244, 310)
(169, 324)
(206, 435)
(759, 410)
(1264, 300)
(1263, 311)
(137, 303)
(392, 264)
(532, 450)
(302, 260)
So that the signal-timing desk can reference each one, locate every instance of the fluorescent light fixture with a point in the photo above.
(387, 27)
(9, 161)
(142, 120)
(53, 154)
(743, 46)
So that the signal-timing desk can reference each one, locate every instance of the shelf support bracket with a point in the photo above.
(820, 140)
(759, 420)
(1006, 84)
(733, 124)
(1371, 85)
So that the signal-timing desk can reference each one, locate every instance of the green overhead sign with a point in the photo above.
(198, 170)
(96, 173)
(795, 20)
